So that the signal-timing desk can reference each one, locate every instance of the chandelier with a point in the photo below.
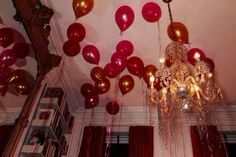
(182, 86)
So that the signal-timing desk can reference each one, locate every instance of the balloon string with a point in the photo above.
(170, 13)
(159, 38)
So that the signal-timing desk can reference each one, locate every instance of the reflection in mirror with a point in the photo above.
(18, 69)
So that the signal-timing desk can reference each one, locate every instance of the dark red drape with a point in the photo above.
(93, 142)
(5, 133)
(141, 141)
(207, 144)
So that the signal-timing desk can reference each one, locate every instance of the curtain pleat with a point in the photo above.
(141, 141)
(93, 142)
(207, 144)
(5, 133)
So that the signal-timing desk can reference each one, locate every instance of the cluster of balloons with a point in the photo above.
(75, 33)
(124, 15)
(20, 79)
(202, 57)
(121, 58)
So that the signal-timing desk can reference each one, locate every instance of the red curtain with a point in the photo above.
(93, 142)
(141, 141)
(5, 133)
(208, 143)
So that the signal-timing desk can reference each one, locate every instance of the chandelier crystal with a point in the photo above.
(181, 86)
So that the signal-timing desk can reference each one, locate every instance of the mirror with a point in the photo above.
(24, 61)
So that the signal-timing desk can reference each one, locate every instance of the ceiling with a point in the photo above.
(211, 27)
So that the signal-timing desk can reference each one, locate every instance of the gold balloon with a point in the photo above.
(102, 86)
(82, 7)
(178, 32)
(97, 74)
(23, 87)
(126, 84)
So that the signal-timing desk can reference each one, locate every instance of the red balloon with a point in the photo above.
(21, 50)
(3, 88)
(126, 84)
(124, 17)
(178, 32)
(119, 61)
(23, 87)
(91, 101)
(148, 71)
(91, 54)
(135, 66)
(151, 12)
(210, 62)
(71, 48)
(168, 62)
(111, 70)
(7, 58)
(192, 52)
(87, 89)
(97, 74)
(125, 48)
(102, 86)
(76, 32)
(5, 73)
(6, 37)
(112, 107)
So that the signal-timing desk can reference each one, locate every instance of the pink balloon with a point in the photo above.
(135, 66)
(125, 47)
(192, 52)
(124, 17)
(5, 73)
(91, 54)
(119, 61)
(111, 70)
(151, 12)
(7, 58)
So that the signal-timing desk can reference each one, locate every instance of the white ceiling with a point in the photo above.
(211, 25)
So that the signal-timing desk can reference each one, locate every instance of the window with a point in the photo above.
(119, 144)
(229, 138)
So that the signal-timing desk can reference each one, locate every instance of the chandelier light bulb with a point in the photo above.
(162, 60)
(197, 56)
(210, 75)
(151, 79)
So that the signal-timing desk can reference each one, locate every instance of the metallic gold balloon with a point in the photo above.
(126, 84)
(23, 87)
(148, 71)
(82, 7)
(102, 86)
(97, 74)
(178, 32)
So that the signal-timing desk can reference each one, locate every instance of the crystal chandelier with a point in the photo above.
(182, 86)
